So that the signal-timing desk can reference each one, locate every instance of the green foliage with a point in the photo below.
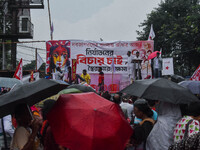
(31, 66)
(177, 28)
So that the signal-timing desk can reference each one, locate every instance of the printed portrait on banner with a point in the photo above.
(58, 55)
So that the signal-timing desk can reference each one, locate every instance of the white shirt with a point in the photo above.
(156, 64)
(128, 107)
(130, 58)
(137, 65)
(7, 121)
(58, 76)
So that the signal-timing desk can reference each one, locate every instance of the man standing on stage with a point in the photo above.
(137, 66)
(157, 66)
(101, 80)
(130, 66)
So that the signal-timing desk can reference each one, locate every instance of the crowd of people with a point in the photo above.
(156, 125)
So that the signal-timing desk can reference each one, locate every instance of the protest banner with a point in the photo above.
(91, 55)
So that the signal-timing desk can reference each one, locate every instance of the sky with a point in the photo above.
(111, 20)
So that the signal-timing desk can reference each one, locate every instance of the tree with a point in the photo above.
(31, 66)
(177, 28)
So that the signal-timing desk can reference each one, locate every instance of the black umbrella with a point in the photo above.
(29, 93)
(177, 78)
(82, 88)
(160, 89)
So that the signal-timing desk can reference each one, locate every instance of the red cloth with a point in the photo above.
(101, 77)
(87, 121)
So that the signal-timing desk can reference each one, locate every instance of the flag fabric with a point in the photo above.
(31, 77)
(196, 75)
(40, 61)
(113, 65)
(19, 72)
(151, 34)
(168, 66)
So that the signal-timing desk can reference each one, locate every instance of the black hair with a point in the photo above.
(137, 52)
(117, 100)
(143, 106)
(48, 104)
(20, 109)
(100, 68)
(194, 109)
(85, 70)
(151, 102)
(106, 95)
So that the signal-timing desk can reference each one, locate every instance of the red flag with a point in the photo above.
(19, 71)
(32, 77)
(196, 75)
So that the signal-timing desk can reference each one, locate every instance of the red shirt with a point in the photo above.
(101, 78)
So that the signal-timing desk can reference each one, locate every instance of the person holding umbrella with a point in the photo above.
(157, 66)
(25, 136)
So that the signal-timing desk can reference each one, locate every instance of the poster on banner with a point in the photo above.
(91, 55)
(196, 75)
(168, 66)
(73, 69)
(58, 55)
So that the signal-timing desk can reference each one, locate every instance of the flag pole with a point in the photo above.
(49, 19)
(112, 80)
(36, 59)
(147, 67)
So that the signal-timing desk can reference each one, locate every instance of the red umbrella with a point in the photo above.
(153, 55)
(87, 121)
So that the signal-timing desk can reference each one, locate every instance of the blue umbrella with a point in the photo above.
(193, 86)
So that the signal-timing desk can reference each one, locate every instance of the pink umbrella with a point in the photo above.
(153, 55)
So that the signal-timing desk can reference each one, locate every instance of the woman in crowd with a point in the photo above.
(142, 130)
(25, 136)
(189, 124)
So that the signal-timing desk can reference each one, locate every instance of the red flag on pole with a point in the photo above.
(32, 77)
(196, 75)
(19, 71)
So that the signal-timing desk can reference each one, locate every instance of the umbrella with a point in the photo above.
(82, 88)
(68, 91)
(153, 55)
(60, 81)
(9, 82)
(160, 89)
(87, 121)
(177, 78)
(55, 97)
(193, 86)
(29, 93)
